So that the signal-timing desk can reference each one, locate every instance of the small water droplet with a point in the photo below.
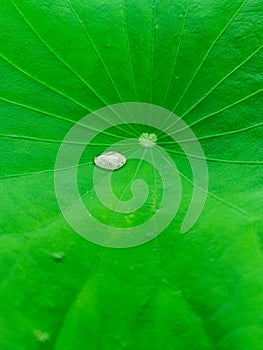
(147, 140)
(110, 160)
(58, 256)
(41, 336)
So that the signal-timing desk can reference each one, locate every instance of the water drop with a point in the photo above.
(110, 160)
(147, 140)
(58, 256)
(41, 336)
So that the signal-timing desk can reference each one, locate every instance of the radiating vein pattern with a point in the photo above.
(202, 62)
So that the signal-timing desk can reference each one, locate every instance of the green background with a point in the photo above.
(61, 59)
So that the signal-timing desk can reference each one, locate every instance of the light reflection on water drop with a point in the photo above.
(110, 160)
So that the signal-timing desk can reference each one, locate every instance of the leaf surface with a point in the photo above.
(61, 60)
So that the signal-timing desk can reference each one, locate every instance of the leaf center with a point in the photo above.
(148, 140)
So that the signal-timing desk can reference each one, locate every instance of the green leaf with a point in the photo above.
(61, 60)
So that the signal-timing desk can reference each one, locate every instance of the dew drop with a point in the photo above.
(110, 160)
(58, 256)
(41, 336)
(147, 140)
